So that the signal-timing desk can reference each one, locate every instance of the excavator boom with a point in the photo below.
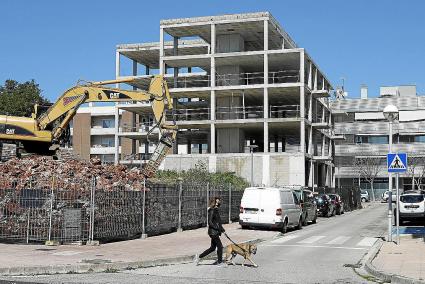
(51, 125)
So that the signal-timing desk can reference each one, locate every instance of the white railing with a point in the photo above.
(378, 149)
(248, 78)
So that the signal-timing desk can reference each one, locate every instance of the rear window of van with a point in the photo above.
(411, 198)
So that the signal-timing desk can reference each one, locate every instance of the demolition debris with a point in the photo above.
(69, 174)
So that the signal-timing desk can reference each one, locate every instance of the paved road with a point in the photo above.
(321, 253)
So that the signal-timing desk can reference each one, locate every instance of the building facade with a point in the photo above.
(238, 82)
(366, 131)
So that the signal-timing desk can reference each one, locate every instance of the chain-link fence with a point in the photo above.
(43, 210)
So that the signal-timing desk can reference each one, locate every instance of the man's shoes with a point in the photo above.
(196, 259)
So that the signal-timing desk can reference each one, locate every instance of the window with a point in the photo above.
(108, 123)
(371, 139)
(420, 138)
(296, 201)
(108, 142)
(286, 197)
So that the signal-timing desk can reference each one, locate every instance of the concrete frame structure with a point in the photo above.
(365, 130)
(236, 80)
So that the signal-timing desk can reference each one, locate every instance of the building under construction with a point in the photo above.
(239, 83)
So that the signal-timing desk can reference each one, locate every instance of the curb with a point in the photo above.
(80, 268)
(383, 275)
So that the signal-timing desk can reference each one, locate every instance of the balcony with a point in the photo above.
(102, 131)
(237, 112)
(238, 79)
(101, 150)
(367, 149)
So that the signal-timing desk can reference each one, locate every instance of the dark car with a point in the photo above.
(325, 206)
(338, 203)
(308, 205)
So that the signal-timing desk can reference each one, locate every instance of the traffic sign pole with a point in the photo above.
(396, 163)
(398, 210)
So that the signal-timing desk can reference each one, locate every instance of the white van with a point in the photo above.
(270, 207)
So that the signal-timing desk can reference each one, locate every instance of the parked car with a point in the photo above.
(338, 203)
(411, 207)
(308, 205)
(270, 207)
(386, 194)
(364, 196)
(325, 206)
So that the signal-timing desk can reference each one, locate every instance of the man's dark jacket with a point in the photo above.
(214, 222)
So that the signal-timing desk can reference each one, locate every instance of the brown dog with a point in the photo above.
(245, 250)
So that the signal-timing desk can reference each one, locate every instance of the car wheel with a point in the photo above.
(363, 199)
(305, 223)
(284, 227)
(300, 223)
(315, 219)
(244, 227)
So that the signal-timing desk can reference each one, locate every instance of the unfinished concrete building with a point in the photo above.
(238, 82)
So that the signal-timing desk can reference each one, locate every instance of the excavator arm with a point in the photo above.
(58, 116)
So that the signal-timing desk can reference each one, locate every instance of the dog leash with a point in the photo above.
(235, 243)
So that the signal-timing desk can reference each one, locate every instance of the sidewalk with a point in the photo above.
(160, 250)
(406, 260)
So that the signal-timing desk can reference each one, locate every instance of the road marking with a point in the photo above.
(311, 240)
(314, 246)
(284, 239)
(367, 242)
(338, 241)
(66, 253)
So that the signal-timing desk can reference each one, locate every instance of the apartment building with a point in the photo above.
(366, 132)
(238, 82)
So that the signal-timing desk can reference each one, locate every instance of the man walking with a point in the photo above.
(215, 229)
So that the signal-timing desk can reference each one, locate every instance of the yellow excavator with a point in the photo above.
(43, 134)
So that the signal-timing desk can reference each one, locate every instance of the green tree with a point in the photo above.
(18, 99)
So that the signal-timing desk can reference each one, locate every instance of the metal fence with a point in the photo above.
(349, 195)
(43, 210)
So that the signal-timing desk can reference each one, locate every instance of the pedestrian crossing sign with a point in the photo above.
(397, 163)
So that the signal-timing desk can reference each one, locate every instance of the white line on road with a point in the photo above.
(313, 246)
(367, 242)
(311, 240)
(284, 239)
(338, 241)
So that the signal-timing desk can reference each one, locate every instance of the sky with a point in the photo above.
(56, 43)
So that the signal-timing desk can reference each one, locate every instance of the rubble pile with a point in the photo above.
(69, 174)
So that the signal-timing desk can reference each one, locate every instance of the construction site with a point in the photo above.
(233, 93)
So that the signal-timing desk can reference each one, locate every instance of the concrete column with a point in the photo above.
(310, 75)
(117, 67)
(117, 138)
(212, 99)
(175, 53)
(323, 144)
(323, 83)
(283, 43)
(311, 174)
(302, 101)
(161, 51)
(266, 82)
(315, 79)
(310, 140)
(133, 116)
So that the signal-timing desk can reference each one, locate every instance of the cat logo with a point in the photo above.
(10, 131)
(114, 95)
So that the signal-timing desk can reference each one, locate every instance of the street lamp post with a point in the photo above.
(391, 114)
(251, 149)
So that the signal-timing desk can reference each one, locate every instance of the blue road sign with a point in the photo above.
(397, 163)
